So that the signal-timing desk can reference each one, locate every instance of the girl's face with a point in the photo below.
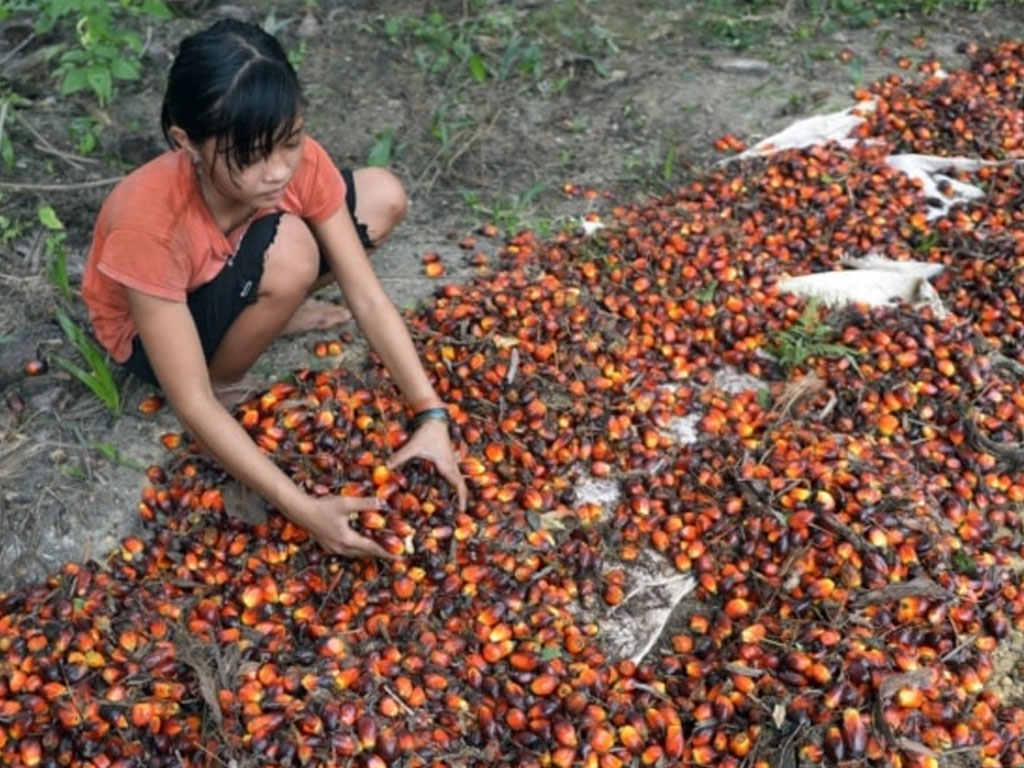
(259, 185)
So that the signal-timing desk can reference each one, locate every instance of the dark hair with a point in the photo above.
(233, 82)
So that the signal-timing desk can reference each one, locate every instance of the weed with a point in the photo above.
(11, 228)
(495, 41)
(97, 378)
(964, 563)
(809, 337)
(707, 293)
(439, 44)
(651, 168)
(6, 148)
(298, 54)
(509, 214)
(111, 453)
(108, 49)
(56, 256)
(380, 152)
(744, 24)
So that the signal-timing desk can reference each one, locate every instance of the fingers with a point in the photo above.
(402, 455)
(450, 472)
(358, 503)
(356, 545)
(441, 456)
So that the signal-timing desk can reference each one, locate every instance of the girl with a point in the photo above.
(204, 255)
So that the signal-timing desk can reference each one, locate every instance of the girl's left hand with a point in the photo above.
(432, 442)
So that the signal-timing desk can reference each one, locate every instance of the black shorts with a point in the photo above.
(215, 305)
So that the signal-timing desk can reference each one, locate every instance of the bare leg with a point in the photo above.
(380, 205)
(289, 270)
(380, 201)
(315, 314)
(289, 276)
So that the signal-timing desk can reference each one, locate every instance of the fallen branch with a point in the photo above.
(920, 587)
(26, 186)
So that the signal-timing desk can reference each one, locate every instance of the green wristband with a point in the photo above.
(430, 414)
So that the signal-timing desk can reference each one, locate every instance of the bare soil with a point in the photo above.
(631, 107)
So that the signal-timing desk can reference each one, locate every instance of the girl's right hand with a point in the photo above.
(326, 519)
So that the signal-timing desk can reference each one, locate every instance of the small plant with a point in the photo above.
(98, 377)
(380, 152)
(107, 49)
(809, 337)
(6, 148)
(438, 44)
(53, 247)
(509, 214)
(111, 453)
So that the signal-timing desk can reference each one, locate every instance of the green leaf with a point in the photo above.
(155, 9)
(7, 152)
(550, 652)
(707, 293)
(477, 67)
(74, 56)
(99, 379)
(124, 69)
(74, 80)
(380, 153)
(75, 370)
(105, 52)
(48, 218)
(100, 82)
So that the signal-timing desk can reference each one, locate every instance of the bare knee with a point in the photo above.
(292, 263)
(381, 202)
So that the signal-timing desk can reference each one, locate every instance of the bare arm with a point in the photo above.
(386, 332)
(172, 343)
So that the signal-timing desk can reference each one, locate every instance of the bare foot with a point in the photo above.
(230, 395)
(316, 315)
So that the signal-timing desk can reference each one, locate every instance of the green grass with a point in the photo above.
(511, 214)
(96, 376)
(493, 41)
(744, 24)
(809, 337)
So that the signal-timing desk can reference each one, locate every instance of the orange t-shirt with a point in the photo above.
(155, 234)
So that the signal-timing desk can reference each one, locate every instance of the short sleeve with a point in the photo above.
(141, 261)
(323, 186)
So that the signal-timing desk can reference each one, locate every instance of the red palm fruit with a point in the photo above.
(575, 702)
(833, 744)
(263, 725)
(544, 685)
(652, 755)
(631, 739)
(601, 739)
(855, 735)
(516, 719)
(403, 587)
(31, 753)
(388, 707)
(565, 733)
(151, 404)
(524, 661)
(740, 744)
(674, 741)
(563, 757)
(366, 730)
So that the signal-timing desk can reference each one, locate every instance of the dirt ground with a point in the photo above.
(624, 97)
